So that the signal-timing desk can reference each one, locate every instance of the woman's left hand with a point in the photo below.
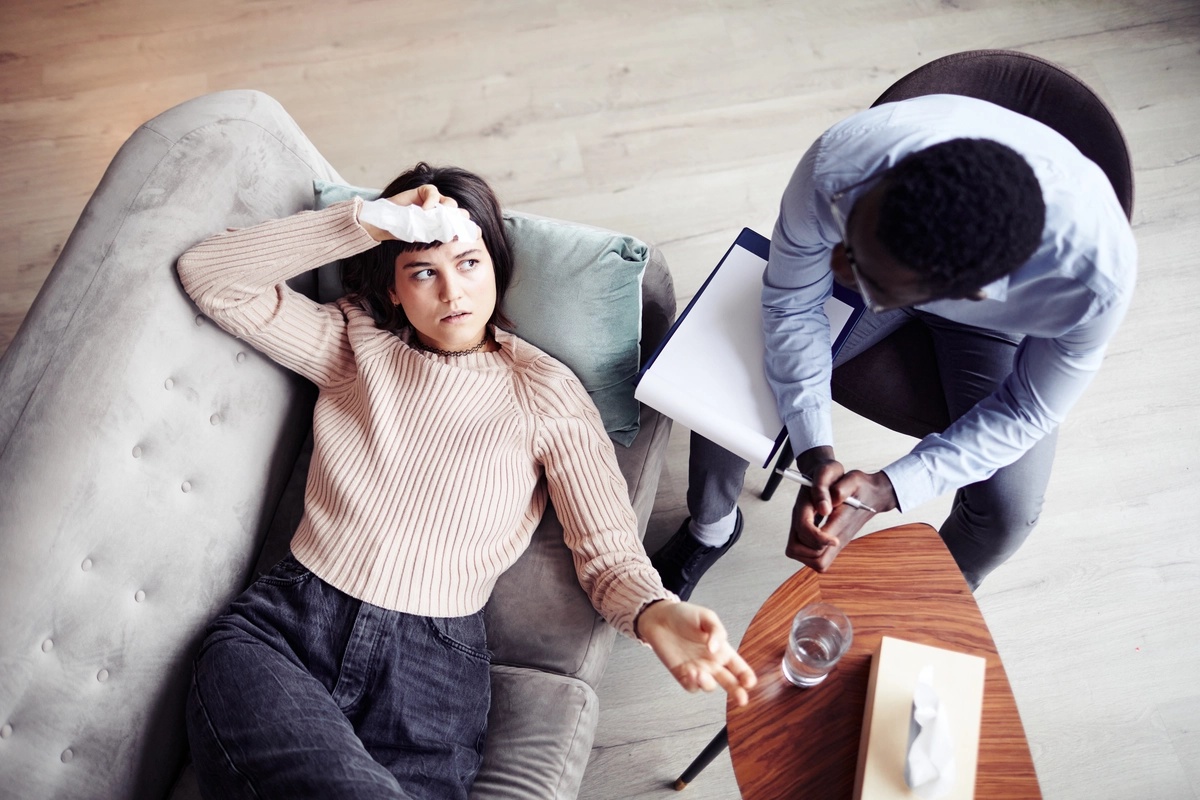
(691, 642)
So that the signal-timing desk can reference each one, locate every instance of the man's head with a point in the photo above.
(944, 222)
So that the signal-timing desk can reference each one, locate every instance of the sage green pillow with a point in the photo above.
(576, 292)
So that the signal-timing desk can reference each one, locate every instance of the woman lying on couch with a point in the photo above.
(358, 666)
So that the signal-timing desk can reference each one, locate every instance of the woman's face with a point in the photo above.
(447, 292)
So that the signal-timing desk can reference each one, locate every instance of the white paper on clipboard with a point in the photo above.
(709, 374)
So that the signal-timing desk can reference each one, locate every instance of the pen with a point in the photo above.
(804, 480)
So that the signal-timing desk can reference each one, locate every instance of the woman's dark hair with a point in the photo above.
(369, 276)
(962, 213)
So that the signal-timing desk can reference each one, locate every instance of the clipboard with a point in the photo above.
(709, 374)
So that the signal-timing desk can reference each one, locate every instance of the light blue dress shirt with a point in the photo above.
(1067, 301)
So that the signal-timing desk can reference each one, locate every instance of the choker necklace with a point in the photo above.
(449, 353)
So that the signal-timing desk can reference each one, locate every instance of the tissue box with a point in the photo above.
(883, 748)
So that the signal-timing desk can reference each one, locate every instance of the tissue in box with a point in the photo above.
(883, 748)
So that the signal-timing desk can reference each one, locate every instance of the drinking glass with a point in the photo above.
(821, 633)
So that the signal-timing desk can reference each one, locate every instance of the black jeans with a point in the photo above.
(301, 691)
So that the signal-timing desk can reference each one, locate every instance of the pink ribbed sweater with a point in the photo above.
(429, 474)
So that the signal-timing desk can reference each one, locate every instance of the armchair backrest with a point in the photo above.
(1036, 88)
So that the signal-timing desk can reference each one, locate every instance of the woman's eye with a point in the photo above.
(423, 274)
(470, 263)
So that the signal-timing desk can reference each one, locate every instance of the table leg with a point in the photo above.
(714, 748)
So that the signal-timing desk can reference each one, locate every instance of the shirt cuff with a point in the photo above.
(911, 481)
(809, 429)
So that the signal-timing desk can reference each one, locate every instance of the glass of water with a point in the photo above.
(820, 635)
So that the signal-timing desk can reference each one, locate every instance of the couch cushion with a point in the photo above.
(532, 749)
(575, 293)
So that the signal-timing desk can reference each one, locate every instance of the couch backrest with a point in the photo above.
(140, 455)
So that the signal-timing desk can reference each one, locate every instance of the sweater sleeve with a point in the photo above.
(238, 279)
(592, 501)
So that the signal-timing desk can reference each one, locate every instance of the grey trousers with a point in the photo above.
(989, 520)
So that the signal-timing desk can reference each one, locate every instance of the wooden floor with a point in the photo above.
(680, 121)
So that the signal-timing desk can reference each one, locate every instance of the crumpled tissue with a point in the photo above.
(415, 224)
(929, 769)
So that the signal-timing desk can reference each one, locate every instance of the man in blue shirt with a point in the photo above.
(1008, 244)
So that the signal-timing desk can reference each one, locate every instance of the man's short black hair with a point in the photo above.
(962, 213)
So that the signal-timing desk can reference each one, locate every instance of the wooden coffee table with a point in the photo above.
(901, 582)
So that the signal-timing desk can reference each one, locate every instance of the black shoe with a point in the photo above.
(682, 561)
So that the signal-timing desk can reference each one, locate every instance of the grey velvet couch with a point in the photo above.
(150, 465)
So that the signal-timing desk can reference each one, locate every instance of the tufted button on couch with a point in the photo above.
(151, 465)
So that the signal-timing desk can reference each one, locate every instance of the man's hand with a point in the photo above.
(813, 505)
(824, 470)
(822, 523)
(691, 642)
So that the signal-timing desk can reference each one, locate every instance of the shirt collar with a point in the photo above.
(997, 289)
